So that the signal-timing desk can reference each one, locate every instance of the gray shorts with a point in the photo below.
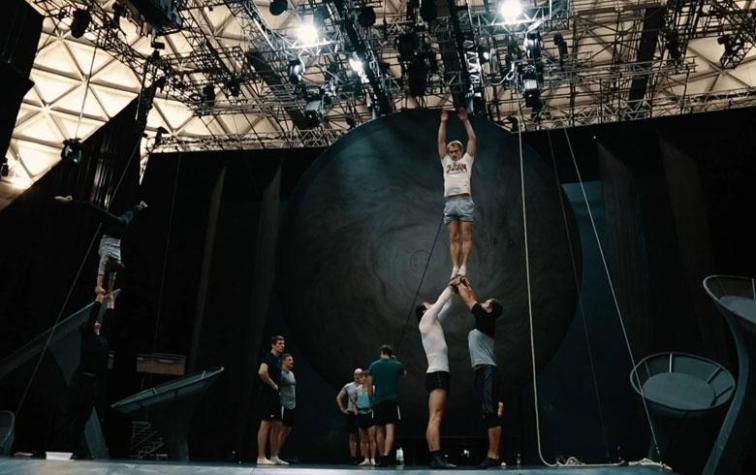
(110, 248)
(459, 208)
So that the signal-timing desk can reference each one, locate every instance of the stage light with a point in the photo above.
(118, 11)
(510, 10)
(208, 95)
(4, 168)
(417, 76)
(673, 45)
(484, 54)
(80, 23)
(532, 45)
(72, 151)
(366, 17)
(314, 112)
(277, 7)
(308, 34)
(561, 46)
(356, 64)
(159, 135)
(234, 87)
(406, 44)
(296, 71)
(726, 41)
(428, 11)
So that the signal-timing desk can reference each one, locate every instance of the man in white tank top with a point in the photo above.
(459, 209)
(437, 377)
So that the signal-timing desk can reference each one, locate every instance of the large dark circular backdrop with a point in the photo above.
(360, 228)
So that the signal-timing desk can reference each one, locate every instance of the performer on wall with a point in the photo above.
(110, 243)
(459, 209)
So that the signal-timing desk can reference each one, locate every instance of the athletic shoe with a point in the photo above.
(278, 461)
(364, 462)
(489, 463)
(372, 462)
(437, 461)
(265, 461)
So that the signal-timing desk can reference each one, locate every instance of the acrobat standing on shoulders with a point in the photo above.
(459, 208)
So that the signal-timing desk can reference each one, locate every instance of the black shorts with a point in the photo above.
(287, 417)
(351, 423)
(437, 380)
(485, 392)
(365, 421)
(270, 405)
(386, 412)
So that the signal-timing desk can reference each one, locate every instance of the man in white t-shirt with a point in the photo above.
(459, 208)
(437, 376)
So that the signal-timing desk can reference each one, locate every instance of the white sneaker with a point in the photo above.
(372, 462)
(278, 461)
(364, 462)
(265, 461)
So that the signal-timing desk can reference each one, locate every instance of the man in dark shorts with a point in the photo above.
(288, 394)
(383, 387)
(437, 377)
(481, 344)
(270, 402)
(348, 393)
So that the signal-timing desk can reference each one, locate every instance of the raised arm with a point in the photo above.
(431, 315)
(467, 294)
(472, 140)
(442, 134)
(444, 311)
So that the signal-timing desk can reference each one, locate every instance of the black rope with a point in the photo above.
(417, 291)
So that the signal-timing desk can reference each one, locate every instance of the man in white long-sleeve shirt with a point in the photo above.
(437, 377)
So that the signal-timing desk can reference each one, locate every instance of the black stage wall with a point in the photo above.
(672, 198)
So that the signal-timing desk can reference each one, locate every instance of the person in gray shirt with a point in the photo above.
(481, 343)
(288, 394)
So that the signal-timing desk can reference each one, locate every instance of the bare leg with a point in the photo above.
(380, 439)
(436, 403)
(111, 281)
(467, 245)
(494, 439)
(262, 439)
(454, 245)
(100, 287)
(353, 445)
(364, 445)
(373, 443)
(389, 443)
(275, 439)
(285, 431)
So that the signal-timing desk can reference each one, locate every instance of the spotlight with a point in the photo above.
(726, 41)
(510, 10)
(561, 46)
(80, 23)
(484, 54)
(366, 17)
(208, 95)
(296, 71)
(277, 7)
(428, 11)
(234, 87)
(406, 44)
(314, 112)
(514, 123)
(417, 76)
(357, 65)
(532, 45)
(4, 168)
(71, 151)
(159, 135)
(673, 45)
(308, 34)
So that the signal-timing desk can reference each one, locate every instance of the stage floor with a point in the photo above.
(16, 466)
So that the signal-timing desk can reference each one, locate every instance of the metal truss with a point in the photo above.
(625, 61)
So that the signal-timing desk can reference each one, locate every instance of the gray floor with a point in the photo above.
(16, 466)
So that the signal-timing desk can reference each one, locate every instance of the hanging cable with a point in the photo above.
(614, 298)
(419, 285)
(165, 253)
(581, 310)
(86, 86)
